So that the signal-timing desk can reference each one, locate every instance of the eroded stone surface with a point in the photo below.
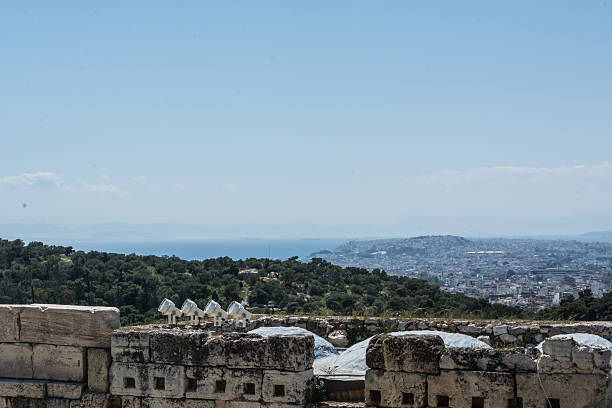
(65, 390)
(98, 366)
(22, 388)
(84, 326)
(287, 387)
(9, 329)
(395, 389)
(62, 363)
(495, 388)
(16, 360)
(416, 354)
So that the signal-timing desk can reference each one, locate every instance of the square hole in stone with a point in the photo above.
(220, 386)
(477, 402)
(279, 390)
(407, 398)
(129, 382)
(192, 385)
(554, 403)
(515, 403)
(442, 401)
(249, 389)
(375, 396)
(160, 383)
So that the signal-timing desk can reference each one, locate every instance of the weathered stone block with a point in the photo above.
(15, 360)
(9, 328)
(22, 388)
(234, 350)
(62, 363)
(572, 390)
(560, 348)
(84, 326)
(286, 387)
(188, 347)
(410, 353)
(470, 359)
(65, 390)
(92, 400)
(148, 380)
(395, 389)
(98, 366)
(220, 383)
(290, 353)
(130, 345)
(461, 387)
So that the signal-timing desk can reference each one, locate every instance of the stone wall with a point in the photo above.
(55, 356)
(196, 368)
(419, 371)
(343, 331)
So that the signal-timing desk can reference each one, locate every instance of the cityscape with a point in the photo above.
(529, 273)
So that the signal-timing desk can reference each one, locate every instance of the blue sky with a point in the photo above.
(318, 112)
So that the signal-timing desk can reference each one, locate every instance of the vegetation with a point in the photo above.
(37, 273)
(586, 307)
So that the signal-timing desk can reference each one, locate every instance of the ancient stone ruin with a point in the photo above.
(79, 357)
(418, 371)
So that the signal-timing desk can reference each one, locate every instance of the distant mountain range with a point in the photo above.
(120, 232)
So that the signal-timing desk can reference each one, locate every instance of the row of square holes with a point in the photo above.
(192, 385)
(443, 401)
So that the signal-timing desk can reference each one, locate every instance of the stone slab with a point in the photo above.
(16, 360)
(9, 326)
(84, 326)
(461, 387)
(394, 388)
(61, 363)
(147, 380)
(65, 390)
(286, 387)
(98, 366)
(22, 388)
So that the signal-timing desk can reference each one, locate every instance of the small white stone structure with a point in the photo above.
(190, 308)
(169, 309)
(239, 314)
(214, 310)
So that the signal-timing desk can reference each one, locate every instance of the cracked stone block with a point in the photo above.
(16, 360)
(61, 363)
(147, 380)
(83, 326)
(395, 389)
(98, 365)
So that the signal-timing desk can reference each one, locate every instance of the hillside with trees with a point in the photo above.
(38, 273)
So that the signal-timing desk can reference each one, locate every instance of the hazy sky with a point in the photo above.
(325, 112)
